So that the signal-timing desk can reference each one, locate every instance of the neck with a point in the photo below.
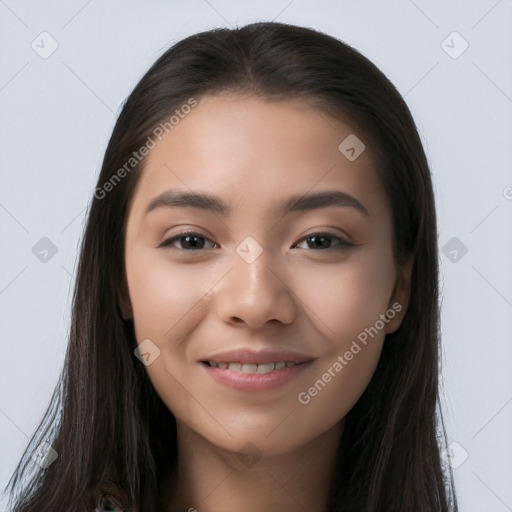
(209, 478)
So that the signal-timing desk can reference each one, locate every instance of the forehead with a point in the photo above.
(254, 152)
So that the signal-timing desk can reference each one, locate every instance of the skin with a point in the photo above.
(296, 295)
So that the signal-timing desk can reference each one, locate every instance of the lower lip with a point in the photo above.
(256, 381)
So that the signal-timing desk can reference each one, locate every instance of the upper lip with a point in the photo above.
(259, 357)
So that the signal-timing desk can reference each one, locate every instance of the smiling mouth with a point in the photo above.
(251, 368)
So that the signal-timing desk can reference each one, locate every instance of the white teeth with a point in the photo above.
(251, 368)
(266, 367)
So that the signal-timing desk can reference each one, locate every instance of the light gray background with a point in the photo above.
(57, 115)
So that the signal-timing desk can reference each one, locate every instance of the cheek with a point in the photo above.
(167, 306)
(349, 297)
(163, 295)
(355, 307)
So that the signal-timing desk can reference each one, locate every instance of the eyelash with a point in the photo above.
(343, 244)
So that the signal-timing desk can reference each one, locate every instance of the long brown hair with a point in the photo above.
(105, 420)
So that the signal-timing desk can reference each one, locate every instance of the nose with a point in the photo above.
(255, 293)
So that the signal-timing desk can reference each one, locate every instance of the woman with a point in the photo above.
(255, 320)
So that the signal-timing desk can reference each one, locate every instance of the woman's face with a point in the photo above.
(259, 280)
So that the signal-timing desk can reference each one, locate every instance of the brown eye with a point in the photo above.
(189, 240)
(323, 241)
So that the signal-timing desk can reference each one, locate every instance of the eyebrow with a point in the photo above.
(296, 203)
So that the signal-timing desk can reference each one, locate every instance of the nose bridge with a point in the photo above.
(253, 267)
(252, 291)
(254, 279)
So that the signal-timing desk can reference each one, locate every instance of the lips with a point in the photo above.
(244, 356)
(256, 371)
